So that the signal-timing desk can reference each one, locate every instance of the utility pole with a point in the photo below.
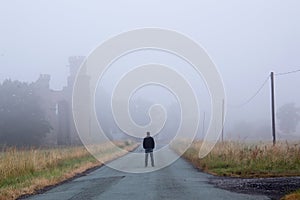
(273, 108)
(223, 113)
(203, 126)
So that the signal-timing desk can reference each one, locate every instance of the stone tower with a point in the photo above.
(58, 105)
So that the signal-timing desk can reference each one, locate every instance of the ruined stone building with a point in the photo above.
(58, 106)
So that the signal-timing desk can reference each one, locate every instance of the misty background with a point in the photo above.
(246, 40)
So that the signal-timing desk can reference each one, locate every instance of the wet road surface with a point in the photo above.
(177, 181)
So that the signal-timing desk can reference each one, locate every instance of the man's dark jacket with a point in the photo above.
(148, 144)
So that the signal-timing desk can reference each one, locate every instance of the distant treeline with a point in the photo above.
(22, 120)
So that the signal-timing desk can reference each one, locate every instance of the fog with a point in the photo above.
(245, 39)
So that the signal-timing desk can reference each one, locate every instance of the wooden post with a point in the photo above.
(203, 126)
(273, 109)
(223, 113)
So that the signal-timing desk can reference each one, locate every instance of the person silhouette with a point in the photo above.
(149, 145)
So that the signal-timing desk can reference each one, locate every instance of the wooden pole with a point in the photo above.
(223, 110)
(203, 126)
(273, 109)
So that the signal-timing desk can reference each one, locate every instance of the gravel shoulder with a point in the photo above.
(275, 188)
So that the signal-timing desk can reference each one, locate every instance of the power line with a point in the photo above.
(285, 73)
(253, 96)
(261, 87)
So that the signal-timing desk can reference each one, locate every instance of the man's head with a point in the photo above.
(148, 133)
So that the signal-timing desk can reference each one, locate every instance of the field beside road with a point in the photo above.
(245, 160)
(26, 171)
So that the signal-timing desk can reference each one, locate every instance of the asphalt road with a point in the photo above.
(178, 181)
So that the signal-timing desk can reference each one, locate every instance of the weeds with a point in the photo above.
(246, 160)
(25, 171)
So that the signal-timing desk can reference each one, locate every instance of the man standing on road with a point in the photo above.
(149, 145)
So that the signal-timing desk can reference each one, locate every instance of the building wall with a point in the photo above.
(58, 106)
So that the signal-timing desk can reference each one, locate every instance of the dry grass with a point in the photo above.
(293, 196)
(247, 160)
(26, 171)
(237, 159)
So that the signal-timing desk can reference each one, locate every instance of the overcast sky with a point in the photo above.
(245, 39)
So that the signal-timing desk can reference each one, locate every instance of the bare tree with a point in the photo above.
(289, 117)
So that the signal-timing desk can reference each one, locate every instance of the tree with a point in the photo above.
(22, 121)
(289, 117)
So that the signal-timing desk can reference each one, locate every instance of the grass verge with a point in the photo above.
(246, 160)
(26, 171)
(236, 159)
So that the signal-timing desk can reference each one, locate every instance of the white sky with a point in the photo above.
(246, 39)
